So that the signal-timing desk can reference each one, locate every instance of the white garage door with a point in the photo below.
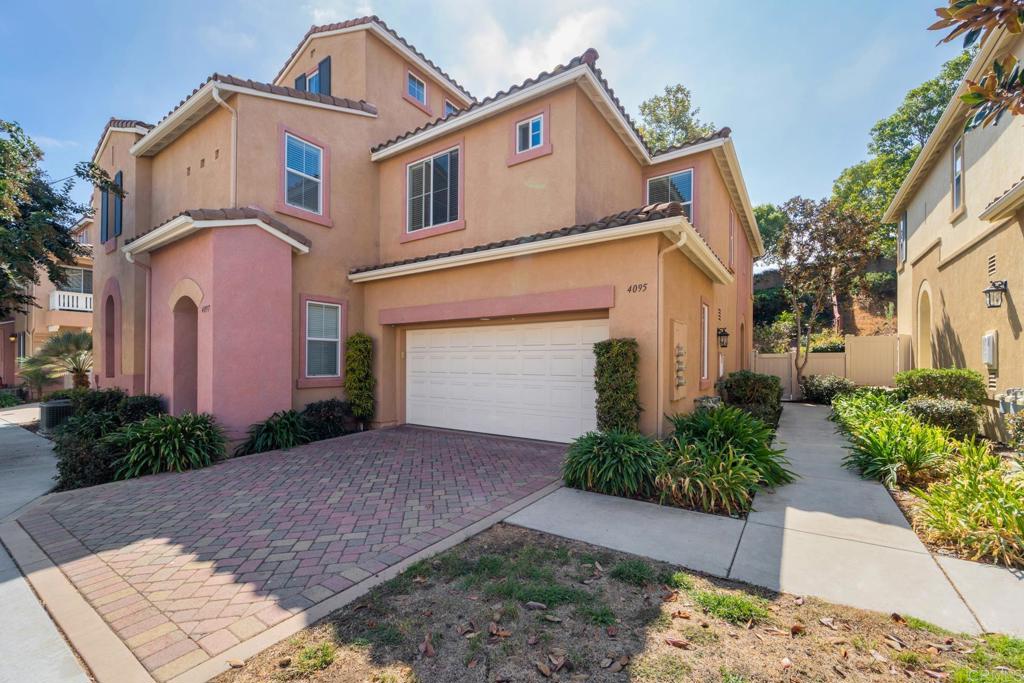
(530, 380)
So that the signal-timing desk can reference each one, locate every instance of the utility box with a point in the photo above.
(990, 349)
(53, 414)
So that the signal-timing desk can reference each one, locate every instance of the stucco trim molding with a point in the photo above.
(184, 225)
(185, 287)
(561, 301)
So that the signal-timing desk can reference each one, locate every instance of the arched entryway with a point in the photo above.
(185, 356)
(924, 328)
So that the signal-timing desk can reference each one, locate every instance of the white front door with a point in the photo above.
(529, 380)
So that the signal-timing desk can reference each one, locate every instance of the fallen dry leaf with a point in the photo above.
(938, 675)
(606, 662)
(531, 640)
(619, 664)
(544, 669)
(471, 664)
(835, 667)
(796, 629)
(284, 662)
(798, 601)
(828, 621)
(898, 618)
(775, 631)
(536, 605)
(557, 662)
(236, 663)
(426, 647)
(679, 643)
(552, 618)
(612, 631)
(878, 656)
(671, 596)
(787, 663)
(680, 614)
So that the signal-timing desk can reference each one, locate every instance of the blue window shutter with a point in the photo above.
(300, 82)
(104, 213)
(325, 76)
(118, 177)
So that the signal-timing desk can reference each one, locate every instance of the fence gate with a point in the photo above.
(780, 365)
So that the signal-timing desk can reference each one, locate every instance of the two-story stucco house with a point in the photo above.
(960, 213)
(484, 245)
(68, 307)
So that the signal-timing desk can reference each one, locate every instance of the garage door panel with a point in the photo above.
(528, 380)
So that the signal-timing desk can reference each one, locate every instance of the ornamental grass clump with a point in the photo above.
(616, 463)
(897, 449)
(703, 477)
(283, 430)
(167, 443)
(852, 411)
(978, 510)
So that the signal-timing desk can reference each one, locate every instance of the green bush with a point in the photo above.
(700, 477)
(898, 449)
(96, 400)
(823, 388)
(8, 400)
(83, 457)
(328, 419)
(956, 383)
(616, 463)
(1015, 430)
(729, 427)
(359, 380)
(757, 394)
(283, 430)
(139, 407)
(617, 384)
(959, 417)
(977, 510)
(167, 443)
(855, 409)
(827, 341)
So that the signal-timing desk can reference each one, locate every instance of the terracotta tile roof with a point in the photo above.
(589, 57)
(374, 19)
(642, 214)
(1010, 189)
(118, 123)
(244, 212)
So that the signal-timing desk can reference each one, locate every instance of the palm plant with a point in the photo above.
(36, 377)
(70, 352)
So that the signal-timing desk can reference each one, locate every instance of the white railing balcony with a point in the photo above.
(70, 301)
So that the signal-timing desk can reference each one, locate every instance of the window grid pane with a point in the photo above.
(433, 191)
(417, 89)
(303, 163)
(323, 339)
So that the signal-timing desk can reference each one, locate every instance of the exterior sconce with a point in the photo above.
(723, 337)
(12, 337)
(994, 293)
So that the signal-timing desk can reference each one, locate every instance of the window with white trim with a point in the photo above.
(958, 174)
(22, 345)
(78, 280)
(303, 174)
(433, 191)
(530, 134)
(416, 88)
(313, 81)
(323, 339)
(705, 321)
(674, 187)
(449, 108)
(901, 238)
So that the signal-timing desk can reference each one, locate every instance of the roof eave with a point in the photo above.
(184, 225)
(1006, 206)
(137, 130)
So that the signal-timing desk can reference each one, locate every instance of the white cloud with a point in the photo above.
(49, 143)
(327, 11)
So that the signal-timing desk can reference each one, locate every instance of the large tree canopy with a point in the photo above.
(770, 221)
(671, 119)
(36, 217)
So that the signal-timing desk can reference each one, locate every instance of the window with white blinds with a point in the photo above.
(675, 187)
(433, 191)
(323, 339)
(303, 174)
(78, 280)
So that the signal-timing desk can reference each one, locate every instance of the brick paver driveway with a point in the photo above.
(184, 566)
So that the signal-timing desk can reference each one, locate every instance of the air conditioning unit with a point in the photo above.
(53, 414)
(990, 349)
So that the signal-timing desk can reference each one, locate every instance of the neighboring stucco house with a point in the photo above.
(56, 310)
(961, 215)
(483, 245)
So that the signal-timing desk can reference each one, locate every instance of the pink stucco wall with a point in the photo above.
(242, 278)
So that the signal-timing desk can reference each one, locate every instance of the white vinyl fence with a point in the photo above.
(867, 361)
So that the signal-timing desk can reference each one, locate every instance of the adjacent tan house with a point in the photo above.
(961, 232)
(484, 245)
(57, 310)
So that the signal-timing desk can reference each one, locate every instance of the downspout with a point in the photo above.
(149, 297)
(234, 144)
(659, 328)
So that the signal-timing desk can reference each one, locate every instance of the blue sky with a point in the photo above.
(800, 82)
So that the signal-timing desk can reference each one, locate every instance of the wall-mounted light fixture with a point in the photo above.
(994, 293)
(723, 337)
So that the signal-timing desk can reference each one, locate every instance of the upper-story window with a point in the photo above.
(303, 174)
(317, 80)
(78, 280)
(901, 239)
(674, 187)
(313, 81)
(449, 108)
(111, 210)
(732, 238)
(433, 191)
(958, 174)
(416, 88)
(530, 134)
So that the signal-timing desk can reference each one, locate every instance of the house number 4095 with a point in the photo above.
(637, 287)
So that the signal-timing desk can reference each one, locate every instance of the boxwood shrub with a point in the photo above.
(328, 419)
(823, 388)
(959, 417)
(617, 384)
(760, 395)
(957, 383)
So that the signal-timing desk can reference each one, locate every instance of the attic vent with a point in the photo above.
(719, 315)
(993, 378)
(992, 265)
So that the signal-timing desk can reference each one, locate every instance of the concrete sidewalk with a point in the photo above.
(31, 649)
(830, 534)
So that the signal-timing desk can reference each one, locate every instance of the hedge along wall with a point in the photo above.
(359, 379)
(616, 380)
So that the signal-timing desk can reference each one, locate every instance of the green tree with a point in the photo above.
(36, 217)
(671, 119)
(770, 219)
(69, 351)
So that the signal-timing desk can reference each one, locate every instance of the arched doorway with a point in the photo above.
(924, 329)
(109, 336)
(185, 356)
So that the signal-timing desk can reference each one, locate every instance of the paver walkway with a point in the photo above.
(184, 567)
(31, 648)
(829, 534)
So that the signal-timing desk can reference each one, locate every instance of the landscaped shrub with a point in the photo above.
(729, 427)
(977, 510)
(1015, 430)
(827, 342)
(616, 463)
(823, 388)
(167, 443)
(959, 417)
(139, 407)
(958, 383)
(701, 477)
(83, 457)
(760, 395)
(283, 430)
(329, 418)
(617, 384)
(8, 400)
(359, 379)
(96, 400)
(898, 449)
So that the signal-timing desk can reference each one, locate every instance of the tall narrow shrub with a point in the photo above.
(359, 380)
(617, 384)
